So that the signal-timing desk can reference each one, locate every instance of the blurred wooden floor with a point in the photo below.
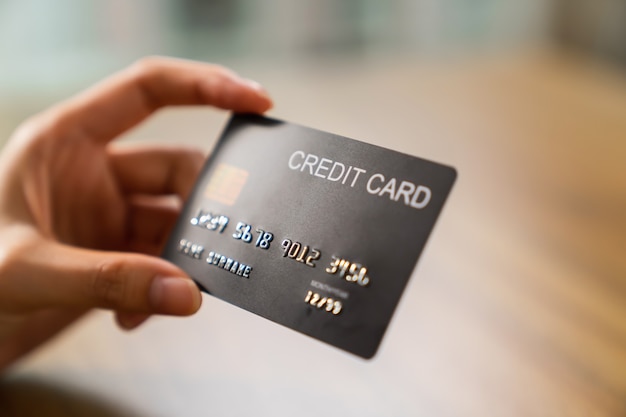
(517, 307)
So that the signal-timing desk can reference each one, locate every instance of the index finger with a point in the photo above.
(128, 97)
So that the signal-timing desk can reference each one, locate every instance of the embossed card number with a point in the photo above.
(317, 232)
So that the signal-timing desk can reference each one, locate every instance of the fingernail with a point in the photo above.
(254, 85)
(174, 295)
(130, 321)
(257, 87)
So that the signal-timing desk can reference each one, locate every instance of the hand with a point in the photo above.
(81, 218)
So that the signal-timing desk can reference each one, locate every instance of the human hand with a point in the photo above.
(82, 218)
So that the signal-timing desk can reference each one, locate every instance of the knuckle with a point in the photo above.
(12, 255)
(31, 129)
(40, 134)
(146, 66)
(143, 73)
(222, 71)
(14, 266)
(108, 287)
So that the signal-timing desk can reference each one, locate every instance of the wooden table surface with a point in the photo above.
(518, 304)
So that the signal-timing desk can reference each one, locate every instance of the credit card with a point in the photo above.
(314, 231)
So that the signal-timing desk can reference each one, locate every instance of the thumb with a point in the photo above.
(51, 274)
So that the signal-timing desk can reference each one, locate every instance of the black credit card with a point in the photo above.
(312, 230)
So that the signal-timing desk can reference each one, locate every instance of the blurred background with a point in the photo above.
(49, 49)
(518, 304)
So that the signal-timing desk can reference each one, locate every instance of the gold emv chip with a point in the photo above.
(226, 184)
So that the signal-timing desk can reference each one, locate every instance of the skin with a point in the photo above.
(82, 220)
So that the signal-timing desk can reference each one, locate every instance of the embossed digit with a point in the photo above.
(328, 304)
(302, 254)
(343, 267)
(295, 248)
(337, 307)
(223, 222)
(247, 236)
(242, 232)
(352, 275)
(286, 244)
(361, 279)
(314, 299)
(314, 256)
(264, 239)
(334, 265)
